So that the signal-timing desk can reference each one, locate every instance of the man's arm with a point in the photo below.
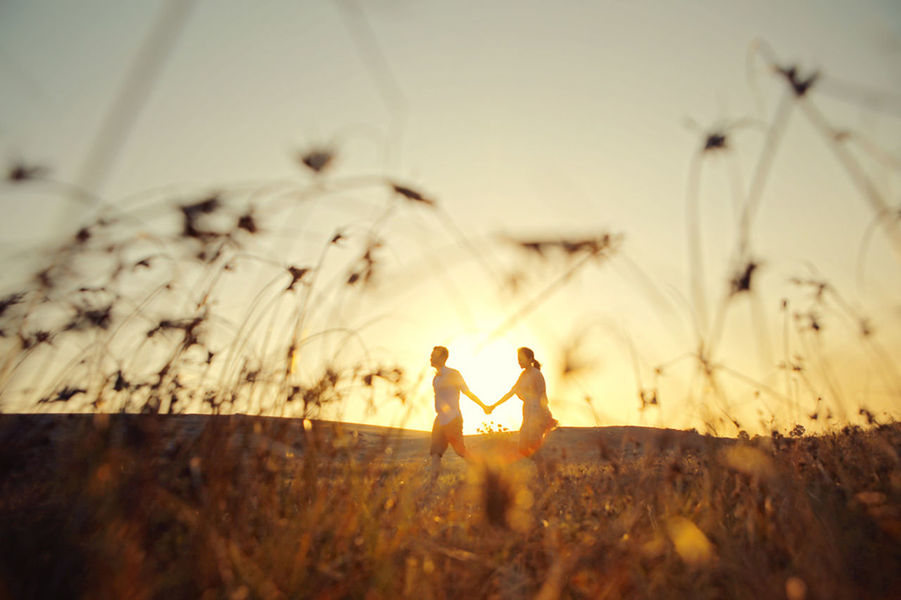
(475, 399)
(465, 389)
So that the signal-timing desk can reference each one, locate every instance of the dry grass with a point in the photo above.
(264, 508)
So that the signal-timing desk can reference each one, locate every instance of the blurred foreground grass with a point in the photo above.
(138, 506)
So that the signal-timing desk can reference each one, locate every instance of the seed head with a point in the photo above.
(741, 281)
(20, 172)
(411, 194)
(317, 160)
(798, 84)
(297, 275)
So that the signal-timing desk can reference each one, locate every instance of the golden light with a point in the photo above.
(489, 371)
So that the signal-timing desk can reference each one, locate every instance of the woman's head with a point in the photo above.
(527, 358)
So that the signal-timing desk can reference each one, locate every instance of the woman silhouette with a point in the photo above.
(537, 420)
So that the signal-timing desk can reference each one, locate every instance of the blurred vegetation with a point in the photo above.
(243, 507)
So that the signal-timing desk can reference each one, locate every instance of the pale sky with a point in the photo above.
(520, 119)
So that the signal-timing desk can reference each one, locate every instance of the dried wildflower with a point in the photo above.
(188, 326)
(193, 212)
(514, 281)
(207, 254)
(715, 141)
(36, 339)
(293, 393)
(572, 246)
(121, 383)
(741, 281)
(531, 246)
(799, 86)
(317, 160)
(10, 300)
(865, 328)
(163, 325)
(67, 393)
(574, 360)
(648, 398)
(247, 223)
(83, 235)
(813, 321)
(209, 397)
(364, 269)
(204, 207)
(871, 418)
(160, 376)
(44, 278)
(393, 375)
(819, 287)
(297, 275)
(491, 427)
(20, 172)
(88, 318)
(411, 194)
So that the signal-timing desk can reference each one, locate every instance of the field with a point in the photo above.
(138, 506)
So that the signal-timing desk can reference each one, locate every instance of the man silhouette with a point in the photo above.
(448, 426)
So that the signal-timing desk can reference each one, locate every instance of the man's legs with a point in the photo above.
(453, 432)
(436, 466)
(437, 447)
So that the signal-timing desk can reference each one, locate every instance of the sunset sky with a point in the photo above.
(521, 120)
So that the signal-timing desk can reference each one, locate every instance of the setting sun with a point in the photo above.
(489, 372)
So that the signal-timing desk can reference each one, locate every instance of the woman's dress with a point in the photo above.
(537, 420)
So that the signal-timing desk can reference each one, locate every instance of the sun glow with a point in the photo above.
(489, 372)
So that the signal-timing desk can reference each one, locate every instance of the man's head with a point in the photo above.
(439, 356)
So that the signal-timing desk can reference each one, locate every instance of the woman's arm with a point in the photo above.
(508, 395)
(505, 397)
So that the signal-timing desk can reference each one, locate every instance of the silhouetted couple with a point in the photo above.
(537, 420)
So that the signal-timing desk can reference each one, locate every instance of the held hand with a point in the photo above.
(488, 409)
